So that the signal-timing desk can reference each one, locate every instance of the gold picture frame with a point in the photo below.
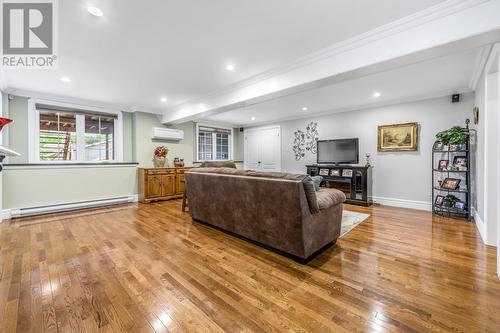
(398, 137)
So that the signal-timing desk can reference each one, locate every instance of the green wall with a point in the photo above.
(18, 130)
(25, 187)
(31, 186)
(143, 124)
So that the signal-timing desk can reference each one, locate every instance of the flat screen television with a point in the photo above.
(342, 151)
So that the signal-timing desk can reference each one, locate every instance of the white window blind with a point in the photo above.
(214, 143)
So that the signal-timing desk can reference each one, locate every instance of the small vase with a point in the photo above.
(4, 121)
(159, 162)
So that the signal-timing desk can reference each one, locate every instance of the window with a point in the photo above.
(99, 138)
(213, 143)
(65, 135)
(57, 138)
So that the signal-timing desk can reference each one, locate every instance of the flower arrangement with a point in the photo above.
(159, 158)
(161, 151)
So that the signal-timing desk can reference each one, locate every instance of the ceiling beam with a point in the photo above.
(385, 47)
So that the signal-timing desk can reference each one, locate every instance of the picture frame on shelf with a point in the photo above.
(335, 172)
(451, 183)
(459, 205)
(347, 173)
(460, 162)
(324, 172)
(443, 164)
(439, 200)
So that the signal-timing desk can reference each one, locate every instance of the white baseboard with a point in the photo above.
(402, 203)
(5, 214)
(28, 211)
(479, 224)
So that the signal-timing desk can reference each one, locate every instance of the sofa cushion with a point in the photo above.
(305, 179)
(328, 197)
(219, 170)
(317, 182)
(218, 164)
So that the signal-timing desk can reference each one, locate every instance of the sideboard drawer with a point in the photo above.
(160, 171)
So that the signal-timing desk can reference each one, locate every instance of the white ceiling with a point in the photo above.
(430, 78)
(143, 50)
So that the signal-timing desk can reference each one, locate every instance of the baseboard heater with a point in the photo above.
(14, 213)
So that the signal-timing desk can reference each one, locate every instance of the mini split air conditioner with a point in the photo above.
(160, 133)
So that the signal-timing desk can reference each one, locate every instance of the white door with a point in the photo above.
(263, 149)
(252, 151)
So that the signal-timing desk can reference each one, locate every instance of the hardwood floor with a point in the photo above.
(149, 268)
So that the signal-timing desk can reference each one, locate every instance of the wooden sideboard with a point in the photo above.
(161, 183)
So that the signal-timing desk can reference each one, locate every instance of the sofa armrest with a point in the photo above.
(328, 197)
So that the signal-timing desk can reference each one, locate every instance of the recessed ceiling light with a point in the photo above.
(65, 79)
(253, 118)
(164, 100)
(230, 67)
(95, 11)
(377, 94)
(304, 108)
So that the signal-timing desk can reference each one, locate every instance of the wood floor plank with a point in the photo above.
(150, 268)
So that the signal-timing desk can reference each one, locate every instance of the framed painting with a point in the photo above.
(399, 137)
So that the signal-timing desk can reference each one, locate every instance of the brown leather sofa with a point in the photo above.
(279, 210)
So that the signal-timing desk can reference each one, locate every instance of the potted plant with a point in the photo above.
(160, 157)
(450, 200)
(454, 136)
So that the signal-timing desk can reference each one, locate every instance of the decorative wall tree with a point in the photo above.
(305, 141)
(299, 144)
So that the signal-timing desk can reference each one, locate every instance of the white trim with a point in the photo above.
(51, 99)
(291, 77)
(4, 215)
(260, 128)
(359, 107)
(69, 166)
(403, 203)
(489, 147)
(479, 224)
(213, 125)
(34, 131)
(479, 65)
(433, 13)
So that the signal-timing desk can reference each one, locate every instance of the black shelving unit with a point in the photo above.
(464, 192)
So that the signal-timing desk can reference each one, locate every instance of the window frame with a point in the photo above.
(214, 141)
(34, 131)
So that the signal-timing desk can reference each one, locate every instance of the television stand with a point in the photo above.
(354, 181)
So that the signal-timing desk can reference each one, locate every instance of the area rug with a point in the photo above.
(351, 220)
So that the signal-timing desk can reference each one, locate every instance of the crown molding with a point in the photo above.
(360, 107)
(433, 13)
(63, 99)
(479, 64)
(72, 100)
